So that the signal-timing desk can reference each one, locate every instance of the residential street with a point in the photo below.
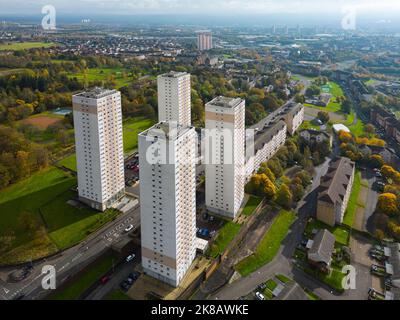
(283, 264)
(69, 261)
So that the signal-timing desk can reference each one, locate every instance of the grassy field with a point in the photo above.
(251, 205)
(132, 127)
(15, 46)
(21, 203)
(117, 295)
(333, 106)
(353, 202)
(340, 233)
(76, 288)
(225, 236)
(119, 75)
(69, 162)
(269, 245)
(41, 201)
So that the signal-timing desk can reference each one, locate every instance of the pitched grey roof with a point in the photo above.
(264, 136)
(323, 247)
(314, 132)
(334, 184)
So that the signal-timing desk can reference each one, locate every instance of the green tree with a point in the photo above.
(284, 197)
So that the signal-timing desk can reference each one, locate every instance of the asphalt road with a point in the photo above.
(69, 261)
(283, 263)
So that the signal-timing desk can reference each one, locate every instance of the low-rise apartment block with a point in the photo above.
(386, 120)
(266, 143)
(293, 115)
(312, 136)
(335, 190)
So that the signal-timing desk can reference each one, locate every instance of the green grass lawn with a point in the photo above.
(225, 236)
(333, 106)
(15, 46)
(43, 197)
(271, 285)
(341, 234)
(353, 202)
(309, 125)
(69, 162)
(121, 76)
(269, 245)
(283, 278)
(38, 181)
(117, 295)
(76, 288)
(333, 279)
(24, 199)
(132, 127)
(251, 205)
(69, 225)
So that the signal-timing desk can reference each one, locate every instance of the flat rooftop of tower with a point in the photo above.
(169, 130)
(173, 74)
(96, 93)
(225, 102)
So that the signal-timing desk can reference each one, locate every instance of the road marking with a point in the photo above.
(77, 257)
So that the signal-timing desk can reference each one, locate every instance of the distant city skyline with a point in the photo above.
(23, 7)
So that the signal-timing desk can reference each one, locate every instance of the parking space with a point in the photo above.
(207, 225)
(132, 170)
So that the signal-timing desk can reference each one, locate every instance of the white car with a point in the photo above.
(129, 228)
(130, 258)
(260, 296)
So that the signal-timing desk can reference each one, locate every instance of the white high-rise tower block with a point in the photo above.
(174, 98)
(99, 147)
(167, 156)
(225, 155)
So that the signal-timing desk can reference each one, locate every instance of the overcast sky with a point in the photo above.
(215, 7)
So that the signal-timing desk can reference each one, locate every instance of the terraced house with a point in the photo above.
(335, 190)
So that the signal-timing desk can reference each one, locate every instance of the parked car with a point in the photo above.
(105, 279)
(129, 228)
(134, 276)
(262, 287)
(260, 296)
(125, 286)
(130, 258)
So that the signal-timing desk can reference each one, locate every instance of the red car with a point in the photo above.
(105, 279)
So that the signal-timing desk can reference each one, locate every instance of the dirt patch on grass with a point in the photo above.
(42, 122)
(335, 117)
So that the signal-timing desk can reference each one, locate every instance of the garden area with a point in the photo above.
(269, 245)
(341, 234)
